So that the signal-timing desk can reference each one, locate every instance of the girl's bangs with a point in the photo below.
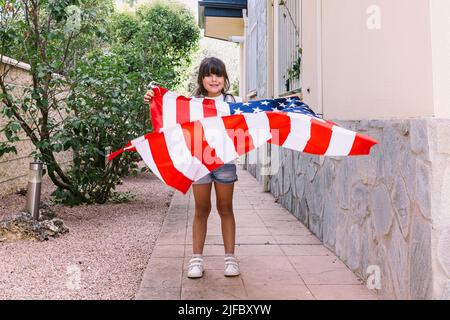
(214, 68)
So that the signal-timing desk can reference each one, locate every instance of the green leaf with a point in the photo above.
(6, 148)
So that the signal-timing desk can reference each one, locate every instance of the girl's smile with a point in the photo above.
(214, 85)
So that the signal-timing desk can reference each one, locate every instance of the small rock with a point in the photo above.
(22, 226)
(21, 191)
(46, 213)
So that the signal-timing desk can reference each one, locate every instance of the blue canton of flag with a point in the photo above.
(293, 105)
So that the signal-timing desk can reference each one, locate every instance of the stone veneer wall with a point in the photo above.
(389, 209)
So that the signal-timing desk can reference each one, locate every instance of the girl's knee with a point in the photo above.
(225, 209)
(202, 210)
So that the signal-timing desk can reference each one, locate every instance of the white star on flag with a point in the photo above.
(247, 104)
(238, 111)
(257, 110)
(265, 103)
(282, 104)
(275, 110)
(288, 100)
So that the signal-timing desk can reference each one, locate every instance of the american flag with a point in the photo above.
(188, 145)
(169, 108)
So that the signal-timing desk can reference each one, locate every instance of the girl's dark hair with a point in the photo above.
(211, 66)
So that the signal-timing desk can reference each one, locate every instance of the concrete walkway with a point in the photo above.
(279, 258)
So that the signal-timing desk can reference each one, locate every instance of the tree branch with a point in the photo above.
(7, 101)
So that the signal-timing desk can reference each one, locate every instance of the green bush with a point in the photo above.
(106, 60)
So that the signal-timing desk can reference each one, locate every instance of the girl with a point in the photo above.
(213, 83)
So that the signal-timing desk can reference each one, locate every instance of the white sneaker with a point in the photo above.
(231, 267)
(195, 268)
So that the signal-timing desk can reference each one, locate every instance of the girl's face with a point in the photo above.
(214, 85)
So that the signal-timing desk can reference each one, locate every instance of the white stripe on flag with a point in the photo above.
(300, 132)
(142, 146)
(341, 142)
(223, 108)
(258, 127)
(169, 110)
(181, 156)
(218, 138)
(196, 109)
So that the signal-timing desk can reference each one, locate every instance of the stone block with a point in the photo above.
(409, 174)
(329, 221)
(298, 185)
(422, 190)
(329, 172)
(397, 257)
(359, 203)
(443, 137)
(443, 252)
(343, 183)
(402, 205)
(419, 138)
(420, 260)
(446, 293)
(342, 229)
(381, 208)
(354, 247)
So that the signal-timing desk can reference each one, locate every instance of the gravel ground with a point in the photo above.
(102, 257)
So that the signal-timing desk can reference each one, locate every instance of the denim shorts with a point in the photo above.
(225, 174)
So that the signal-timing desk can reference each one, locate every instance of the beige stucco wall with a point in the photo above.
(377, 73)
(311, 59)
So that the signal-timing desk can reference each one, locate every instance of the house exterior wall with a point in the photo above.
(379, 211)
(386, 212)
(14, 168)
(260, 9)
(376, 59)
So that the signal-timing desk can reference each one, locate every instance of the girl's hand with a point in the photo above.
(149, 96)
(296, 95)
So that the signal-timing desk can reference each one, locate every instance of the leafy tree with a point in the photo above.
(158, 41)
(89, 68)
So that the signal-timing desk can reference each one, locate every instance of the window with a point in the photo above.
(252, 52)
(289, 45)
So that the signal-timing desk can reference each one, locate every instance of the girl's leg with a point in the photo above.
(202, 196)
(224, 194)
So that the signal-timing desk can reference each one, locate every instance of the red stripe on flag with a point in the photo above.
(194, 136)
(280, 127)
(183, 110)
(129, 148)
(156, 108)
(209, 108)
(362, 145)
(321, 133)
(237, 129)
(161, 157)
